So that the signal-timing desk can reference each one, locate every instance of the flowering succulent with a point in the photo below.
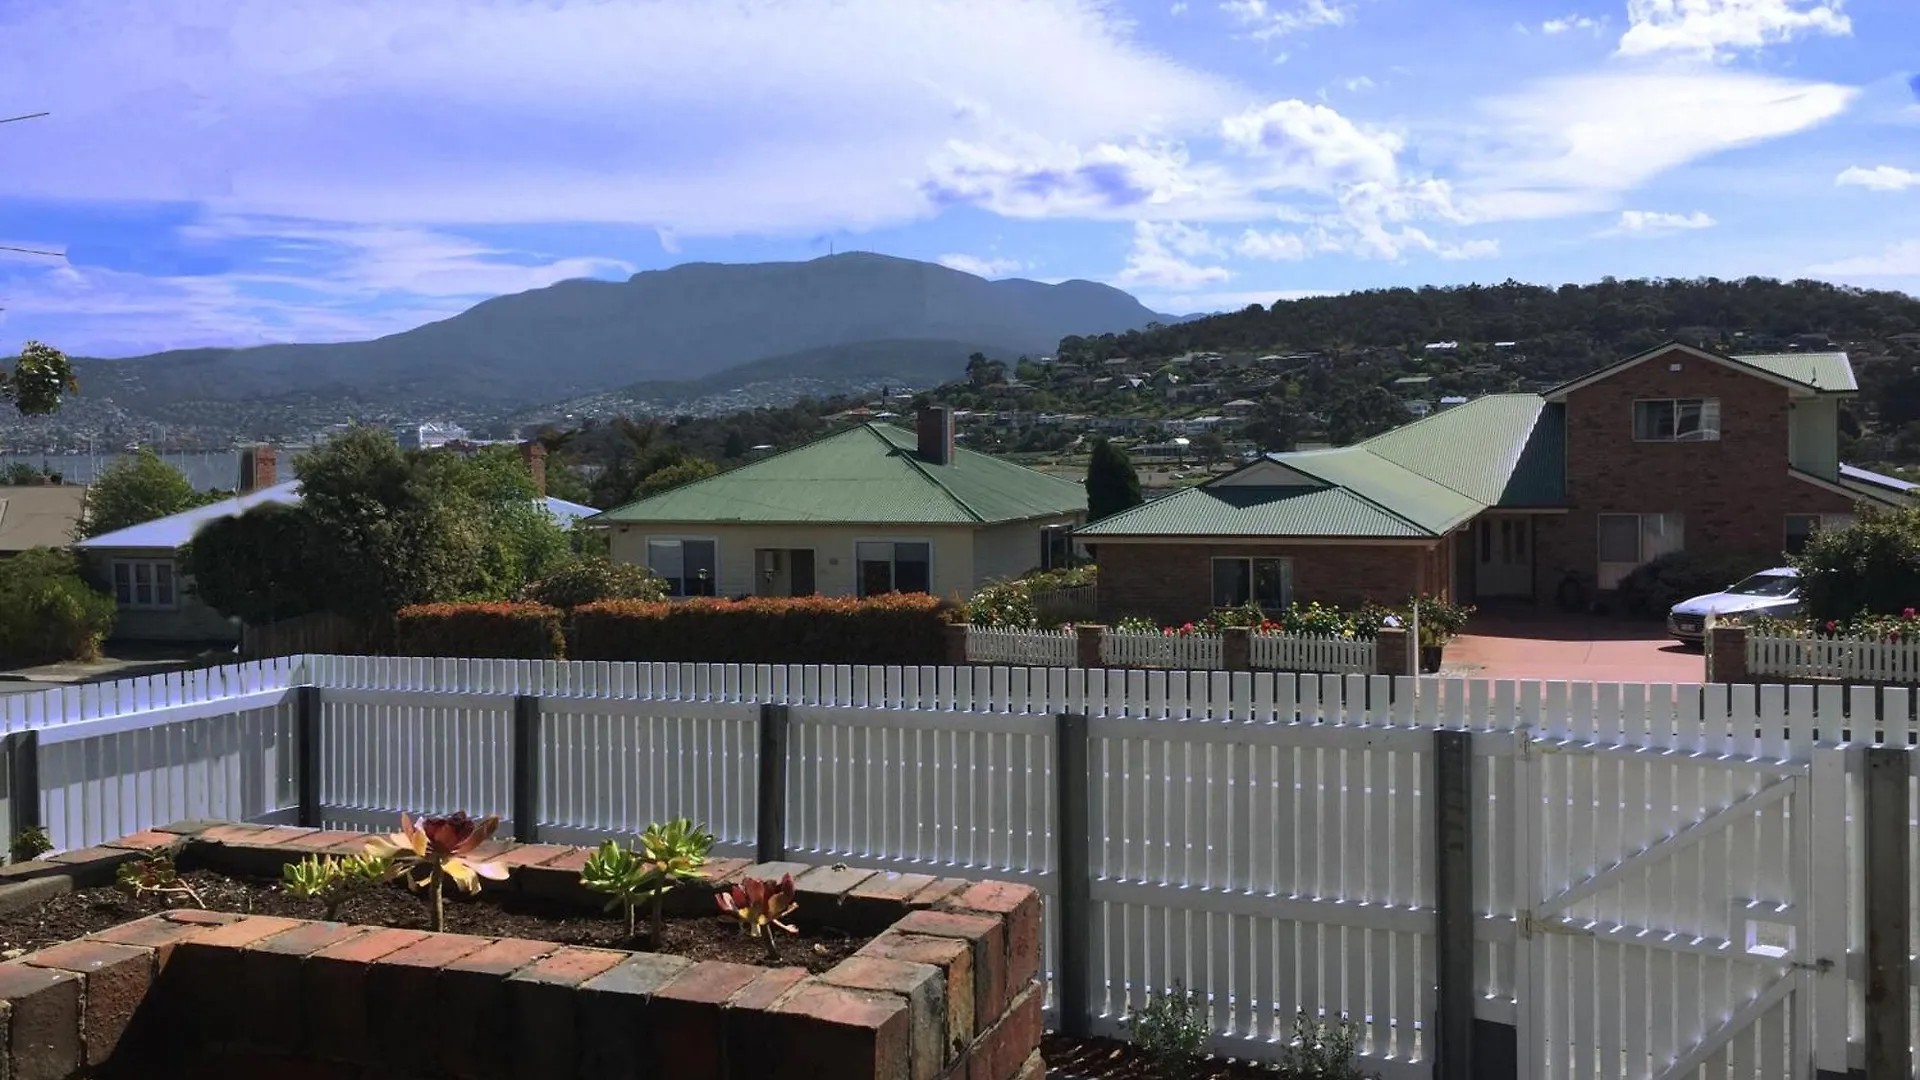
(761, 905)
(434, 850)
(332, 879)
(155, 875)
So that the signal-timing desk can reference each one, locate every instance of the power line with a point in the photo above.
(33, 251)
(29, 116)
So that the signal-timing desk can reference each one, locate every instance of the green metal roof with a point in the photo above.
(865, 475)
(1830, 372)
(1421, 480)
(1500, 450)
(1256, 511)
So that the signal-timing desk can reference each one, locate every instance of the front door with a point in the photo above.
(1503, 557)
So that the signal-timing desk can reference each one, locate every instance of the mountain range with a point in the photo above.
(718, 326)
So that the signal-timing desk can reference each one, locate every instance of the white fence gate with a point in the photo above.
(1668, 880)
(1826, 656)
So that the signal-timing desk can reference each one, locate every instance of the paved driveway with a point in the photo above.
(1525, 643)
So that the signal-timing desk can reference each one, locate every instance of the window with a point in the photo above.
(1801, 527)
(690, 567)
(1639, 538)
(1236, 582)
(886, 566)
(1056, 547)
(1677, 420)
(143, 583)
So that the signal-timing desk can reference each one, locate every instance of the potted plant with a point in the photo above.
(1440, 623)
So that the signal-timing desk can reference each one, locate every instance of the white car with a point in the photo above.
(1773, 593)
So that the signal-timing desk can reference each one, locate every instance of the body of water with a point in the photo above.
(207, 470)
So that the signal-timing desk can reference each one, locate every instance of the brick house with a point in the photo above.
(1511, 495)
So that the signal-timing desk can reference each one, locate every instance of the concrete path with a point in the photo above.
(1530, 644)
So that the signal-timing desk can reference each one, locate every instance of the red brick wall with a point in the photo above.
(1734, 493)
(1173, 583)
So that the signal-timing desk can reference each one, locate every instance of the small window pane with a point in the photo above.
(665, 558)
(1661, 534)
(1273, 583)
(702, 567)
(123, 583)
(163, 584)
(1653, 421)
(876, 577)
(1619, 538)
(1231, 582)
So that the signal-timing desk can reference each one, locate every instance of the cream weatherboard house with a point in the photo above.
(869, 510)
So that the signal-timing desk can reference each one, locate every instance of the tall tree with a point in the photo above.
(135, 488)
(1112, 485)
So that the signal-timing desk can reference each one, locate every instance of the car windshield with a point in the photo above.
(1766, 585)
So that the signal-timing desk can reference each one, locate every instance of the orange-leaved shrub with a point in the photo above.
(891, 629)
(512, 630)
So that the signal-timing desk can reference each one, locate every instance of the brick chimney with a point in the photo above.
(259, 468)
(535, 456)
(936, 434)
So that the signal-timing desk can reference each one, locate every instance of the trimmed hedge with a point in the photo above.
(592, 579)
(509, 630)
(892, 629)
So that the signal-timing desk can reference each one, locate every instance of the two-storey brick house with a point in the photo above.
(1512, 495)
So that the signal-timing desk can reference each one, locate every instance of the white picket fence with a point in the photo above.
(1822, 656)
(1308, 652)
(1660, 871)
(1186, 652)
(1028, 648)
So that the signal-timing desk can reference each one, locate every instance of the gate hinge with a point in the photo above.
(1820, 966)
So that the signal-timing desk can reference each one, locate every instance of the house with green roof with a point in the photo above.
(1548, 497)
(871, 509)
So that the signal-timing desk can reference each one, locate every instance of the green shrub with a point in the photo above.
(1321, 1050)
(496, 629)
(1172, 1030)
(47, 610)
(1652, 589)
(592, 579)
(1011, 603)
(1871, 567)
(892, 629)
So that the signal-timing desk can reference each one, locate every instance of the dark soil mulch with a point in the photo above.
(498, 914)
(1111, 1059)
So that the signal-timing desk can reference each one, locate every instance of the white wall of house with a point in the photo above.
(154, 614)
(1813, 436)
(1005, 551)
(835, 574)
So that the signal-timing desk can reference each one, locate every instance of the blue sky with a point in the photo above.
(307, 170)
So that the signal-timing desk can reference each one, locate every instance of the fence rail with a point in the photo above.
(1035, 648)
(1659, 881)
(1191, 652)
(1306, 652)
(1822, 656)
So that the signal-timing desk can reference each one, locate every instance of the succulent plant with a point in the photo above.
(666, 856)
(333, 879)
(761, 905)
(155, 874)
(434, 850)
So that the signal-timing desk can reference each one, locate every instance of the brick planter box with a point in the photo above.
(948, 989)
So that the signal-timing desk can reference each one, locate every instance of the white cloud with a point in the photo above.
(1269, 20)
(978, 266)
(706, 119)
(1878, 178)
(1569, 23)
(1162, 258)
(1359, 84)
(1573, 144)
(1898, 260)
(1179, 8)
(1655, 223)
(1275, 246)
(1312, 147)
(1719, 29)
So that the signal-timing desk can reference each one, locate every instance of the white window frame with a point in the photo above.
(130, 598)
(1709, 407)
(859, 583)
(1821, 523)
(646, 557)
(1287, 575)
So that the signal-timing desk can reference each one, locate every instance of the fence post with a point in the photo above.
(957, 644)
(306, 720)
(1087, 645)
(1726, 649)
(1453, 905)
(1236, 649)
(526, 767)
(23, 783)
(770, 835)
(1889, 916)
(1390, 652)
(1072, 863)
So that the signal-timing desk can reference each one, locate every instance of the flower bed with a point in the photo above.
(945, 983)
